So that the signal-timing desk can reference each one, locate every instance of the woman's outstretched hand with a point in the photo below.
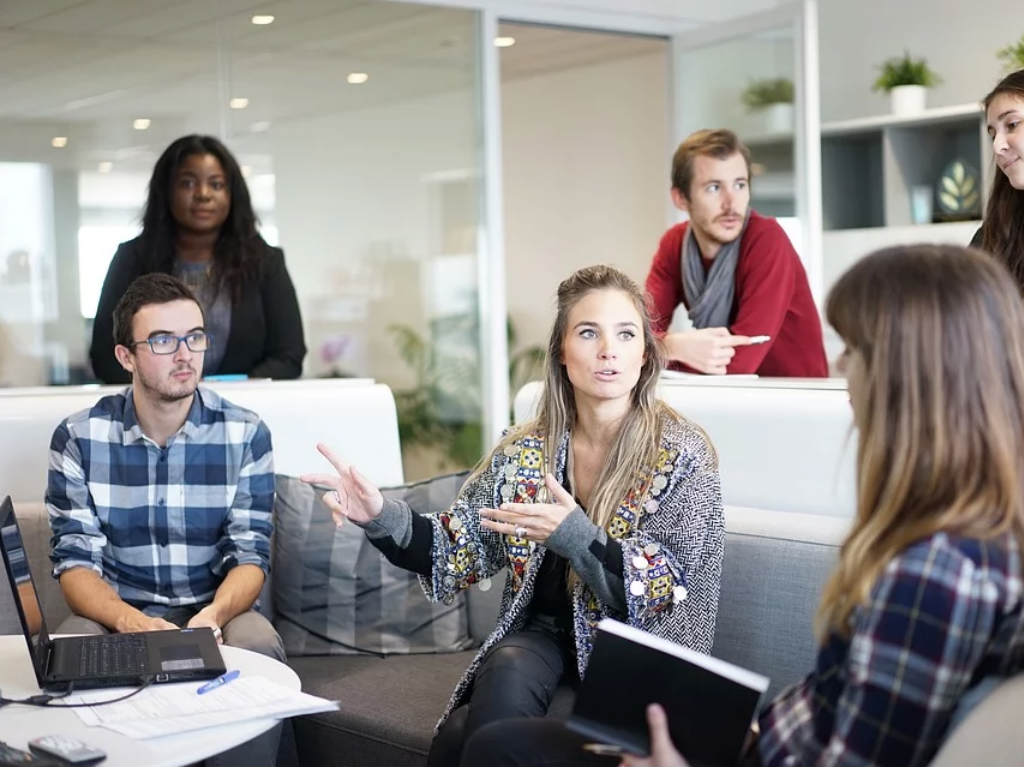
(352, 496)
(532, 521)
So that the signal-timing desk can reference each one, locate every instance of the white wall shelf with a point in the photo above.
(871, 164)
(877, 122)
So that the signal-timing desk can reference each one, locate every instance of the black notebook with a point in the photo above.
(710, 703)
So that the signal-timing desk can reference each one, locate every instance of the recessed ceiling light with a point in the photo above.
(247, 170)
(504, 42)
(238, 103)
(105, 167)
(141, 123)
(260, 126)
(262, 19)
(59, 142)
(357, 78)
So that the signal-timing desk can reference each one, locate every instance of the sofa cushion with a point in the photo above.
(771, 588)
(388, 707)
(334, 593)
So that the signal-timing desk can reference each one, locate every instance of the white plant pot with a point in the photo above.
(907, 99)
(778, 118)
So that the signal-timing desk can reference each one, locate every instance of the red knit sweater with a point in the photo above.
(772, 298)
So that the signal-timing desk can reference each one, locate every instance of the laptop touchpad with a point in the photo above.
(180, 657)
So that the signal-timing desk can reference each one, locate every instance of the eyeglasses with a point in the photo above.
(166, 343)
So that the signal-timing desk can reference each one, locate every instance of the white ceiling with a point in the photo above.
(86, 69)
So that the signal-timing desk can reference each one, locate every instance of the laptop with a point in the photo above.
(111, 660)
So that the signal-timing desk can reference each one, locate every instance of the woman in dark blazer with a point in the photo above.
(199, 225)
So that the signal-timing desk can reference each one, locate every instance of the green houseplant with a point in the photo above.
(440, 413)
(1012, 56)
(905, 70)
(905, 79)
(761, 94)
(771, 99)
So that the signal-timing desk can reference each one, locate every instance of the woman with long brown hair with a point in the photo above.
(608, 503)
(926, 599)
(926, 603)
(1002, 233)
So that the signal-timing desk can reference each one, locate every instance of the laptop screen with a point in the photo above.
(22, 588)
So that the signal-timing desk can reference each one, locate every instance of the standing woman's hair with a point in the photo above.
(938, 405)
(1002, 232)
(239, 245)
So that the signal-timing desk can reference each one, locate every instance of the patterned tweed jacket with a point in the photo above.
(670, 527)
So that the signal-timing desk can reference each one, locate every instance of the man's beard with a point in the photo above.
(169, 390)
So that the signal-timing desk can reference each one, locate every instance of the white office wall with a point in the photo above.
(958, 39)
(363, 225)
(586, 165)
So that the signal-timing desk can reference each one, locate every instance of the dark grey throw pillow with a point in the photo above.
(335, 594)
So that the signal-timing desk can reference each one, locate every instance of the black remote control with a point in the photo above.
(67, 749)
(15, 757)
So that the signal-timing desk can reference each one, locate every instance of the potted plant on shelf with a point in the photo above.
(772, 98)
(1012, 56)
(906, 80)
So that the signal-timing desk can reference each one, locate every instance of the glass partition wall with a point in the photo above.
(358, 128)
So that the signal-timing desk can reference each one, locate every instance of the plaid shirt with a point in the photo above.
(944, 614)
(161, 525)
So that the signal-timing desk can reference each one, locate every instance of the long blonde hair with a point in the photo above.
(636, 446)
(938, 405)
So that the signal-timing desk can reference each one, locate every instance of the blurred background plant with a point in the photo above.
(1012, 56)
(763, 93)
(904, 70)
(439, 415)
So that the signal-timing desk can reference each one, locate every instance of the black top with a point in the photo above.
(976, 239)
(266, 339)
(551, 592)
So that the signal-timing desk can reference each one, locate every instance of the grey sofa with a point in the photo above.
(389, 705)
(774, 568)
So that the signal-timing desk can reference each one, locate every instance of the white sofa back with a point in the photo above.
(783, 445)
(356, 417)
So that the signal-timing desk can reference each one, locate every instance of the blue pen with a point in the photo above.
(223, 679)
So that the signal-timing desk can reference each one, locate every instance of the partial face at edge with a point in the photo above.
(1005, 122)
(850, 365)
(603, 347)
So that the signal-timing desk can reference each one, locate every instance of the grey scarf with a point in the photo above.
(710, 295)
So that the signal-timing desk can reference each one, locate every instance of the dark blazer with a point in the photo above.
(266, 338)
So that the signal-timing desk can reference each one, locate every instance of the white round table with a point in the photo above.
(19, 724)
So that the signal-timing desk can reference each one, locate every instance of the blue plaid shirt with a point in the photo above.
(946, 613)
(161, 525)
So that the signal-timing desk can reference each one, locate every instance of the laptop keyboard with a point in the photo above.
(120, 654)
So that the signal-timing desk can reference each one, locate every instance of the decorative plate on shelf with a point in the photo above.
(959, 192)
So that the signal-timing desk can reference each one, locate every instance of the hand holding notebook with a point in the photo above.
(709, 702)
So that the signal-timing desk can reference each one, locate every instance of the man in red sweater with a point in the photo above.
(735, 271)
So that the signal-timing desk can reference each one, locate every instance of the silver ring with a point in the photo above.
(337, 498)
(520, 532)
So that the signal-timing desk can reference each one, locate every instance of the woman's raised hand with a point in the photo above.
(532, 521)
(352, 496)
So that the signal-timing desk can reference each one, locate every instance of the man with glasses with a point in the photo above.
(160, 497)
